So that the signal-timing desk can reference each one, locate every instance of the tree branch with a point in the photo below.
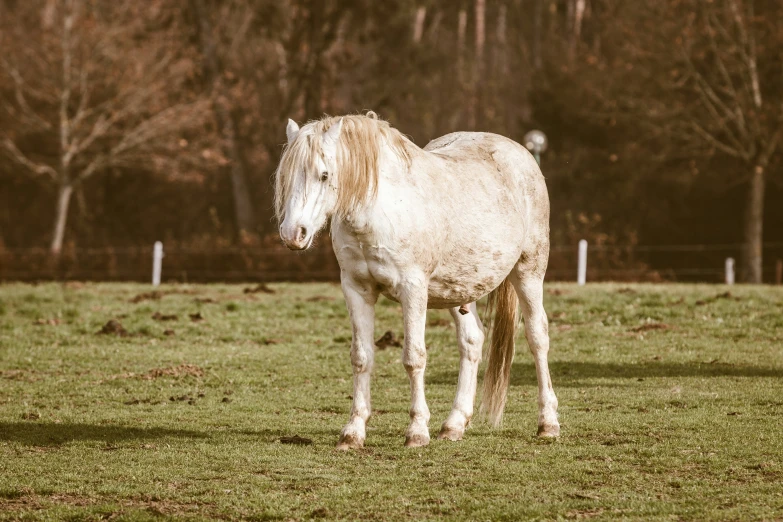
(16, 154)
(728, 149)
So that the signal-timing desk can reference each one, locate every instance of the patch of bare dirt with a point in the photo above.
(174, 371)
(296, 439)
(114, 327)
(205, 300)
(652, 326)
(148, 296)
(718, 297)
(197, 317)
(186, 397)
(165, 317)
(261, 288)
(157, 295)
(319, 298)
(388, 339)
(133, 402)
(182, 370)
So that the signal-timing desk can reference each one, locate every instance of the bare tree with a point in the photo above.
(696, 75)
(741, 111)
(90, 92)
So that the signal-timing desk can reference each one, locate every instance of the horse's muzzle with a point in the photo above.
(297, 239)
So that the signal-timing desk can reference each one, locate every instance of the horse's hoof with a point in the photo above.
(447, 433)
(349, 442)
(416, 441)
(549, 430)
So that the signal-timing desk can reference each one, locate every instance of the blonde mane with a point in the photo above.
(358, 152)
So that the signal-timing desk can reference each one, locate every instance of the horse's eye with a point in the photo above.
(324, 176)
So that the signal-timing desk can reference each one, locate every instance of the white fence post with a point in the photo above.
(581, 273)
(729, 270)
(157, 262)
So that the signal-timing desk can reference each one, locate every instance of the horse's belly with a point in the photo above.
(451, 286)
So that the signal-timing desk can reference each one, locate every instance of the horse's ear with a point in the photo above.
(332, 135)
(291, 130)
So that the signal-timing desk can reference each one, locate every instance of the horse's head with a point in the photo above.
(330, 168)
(306, 191)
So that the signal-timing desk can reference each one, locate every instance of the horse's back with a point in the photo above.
(467, 145)
(495, 208)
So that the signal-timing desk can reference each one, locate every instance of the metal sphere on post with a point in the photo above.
(536, 142)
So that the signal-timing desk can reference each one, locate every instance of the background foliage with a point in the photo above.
(658, 115)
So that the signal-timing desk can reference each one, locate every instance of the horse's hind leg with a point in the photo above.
(470, 338)
(528, 281)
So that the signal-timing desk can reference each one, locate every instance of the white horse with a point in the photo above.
(438, 227)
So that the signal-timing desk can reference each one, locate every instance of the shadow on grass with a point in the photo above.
(579, 373)
(49, 434)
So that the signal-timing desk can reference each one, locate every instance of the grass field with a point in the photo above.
(671, 404)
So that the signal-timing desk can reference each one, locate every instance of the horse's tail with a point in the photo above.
(504, 301)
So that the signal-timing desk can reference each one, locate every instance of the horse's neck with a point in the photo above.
(393, 183)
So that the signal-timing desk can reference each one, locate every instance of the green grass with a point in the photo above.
(681, 420)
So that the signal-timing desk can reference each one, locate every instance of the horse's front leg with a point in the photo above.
(360, 300)
(414, 358)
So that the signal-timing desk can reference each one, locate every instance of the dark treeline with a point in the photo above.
(122, 123)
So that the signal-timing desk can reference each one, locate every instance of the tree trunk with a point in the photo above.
(577, 11)
(418, 24)
(243, 207)
(538, 21)
(61, 217)
(312, 101)
(474, 109)
(754, 236)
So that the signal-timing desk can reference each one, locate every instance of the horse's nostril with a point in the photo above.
(301, 233)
